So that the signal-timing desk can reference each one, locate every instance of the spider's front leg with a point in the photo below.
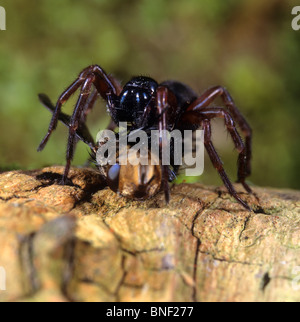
(82, 133)
(76, 118)
(244, 161)
(162, 105)
(166, 105)
(105, 85)
(55, 116)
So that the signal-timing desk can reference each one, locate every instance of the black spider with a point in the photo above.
(145, 104)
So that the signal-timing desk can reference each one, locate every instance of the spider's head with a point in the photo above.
(137, 182)
(135, 98)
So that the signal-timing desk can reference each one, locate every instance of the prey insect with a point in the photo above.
(146, 104)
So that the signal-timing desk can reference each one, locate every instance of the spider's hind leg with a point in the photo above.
(244, 160)
(216, 161)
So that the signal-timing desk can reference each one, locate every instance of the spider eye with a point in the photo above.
(113, 175)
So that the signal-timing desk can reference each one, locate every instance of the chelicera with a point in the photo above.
(146, 104)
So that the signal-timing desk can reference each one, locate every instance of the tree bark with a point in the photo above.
(86, 243)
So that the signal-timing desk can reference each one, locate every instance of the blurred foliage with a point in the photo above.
(246, 45)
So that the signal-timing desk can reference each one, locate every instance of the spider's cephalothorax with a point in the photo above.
(145, 104)
(135, 98)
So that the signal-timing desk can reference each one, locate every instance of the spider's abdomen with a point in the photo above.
(183, 93)
(135, 98)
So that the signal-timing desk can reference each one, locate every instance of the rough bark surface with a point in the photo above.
(85, 243)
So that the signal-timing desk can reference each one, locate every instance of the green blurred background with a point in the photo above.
(248, 46)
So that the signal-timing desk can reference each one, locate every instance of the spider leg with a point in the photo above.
(75, 121)
(61, 100)
(244, 160)
(216, 161)
(204, 117)
(82, 132)
(105, 85)
(162, 109)
(89, 105)
(213, 112)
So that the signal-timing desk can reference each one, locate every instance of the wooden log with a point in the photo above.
(86, 243)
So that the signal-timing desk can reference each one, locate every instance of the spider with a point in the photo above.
(145, 104)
